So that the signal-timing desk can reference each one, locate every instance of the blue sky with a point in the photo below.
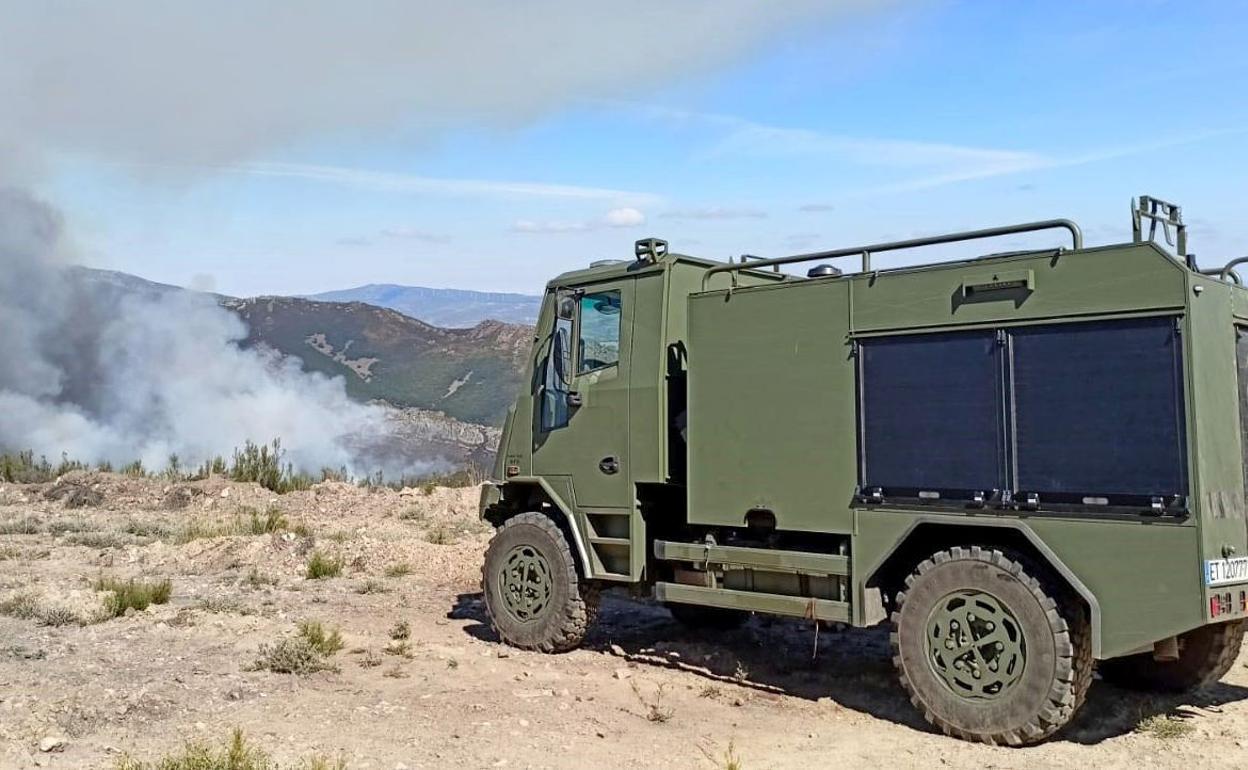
(903, 119)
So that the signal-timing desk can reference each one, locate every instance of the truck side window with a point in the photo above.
(599, 345)
(554, 406)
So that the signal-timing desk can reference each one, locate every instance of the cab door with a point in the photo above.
(582, 429)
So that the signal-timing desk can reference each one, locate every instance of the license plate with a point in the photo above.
(1222, 571)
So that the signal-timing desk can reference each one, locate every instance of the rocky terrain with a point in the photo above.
(259, 583)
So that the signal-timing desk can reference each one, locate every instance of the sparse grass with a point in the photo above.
(248, 521)
(28, 605)
(305, 653)
(371, 586)
(58, 616)
(399, 648)
(268, 523)
(428, 488)
(411, 514)
(398, 570)
(730, 759)
(401, 630)
(710, 691)
(23, 606)
(1166, 727)
(257, 579)
(301, 529)
(325, 642)
(742, 672)
(27, 525)
(132, 594)
(97, 539)
(440, 534)
(369, 659)
(223, 605)
(396, 672)
(655, 710)
(235, 754)
(145, 529)
(66, 526)
(322, 565)
(341, 535)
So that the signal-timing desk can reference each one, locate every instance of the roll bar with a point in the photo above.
(1076, 236)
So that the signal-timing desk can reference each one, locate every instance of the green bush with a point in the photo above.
(321, 565)
(236, 754)
(132, 593)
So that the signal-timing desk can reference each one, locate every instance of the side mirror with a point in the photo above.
(561, 354)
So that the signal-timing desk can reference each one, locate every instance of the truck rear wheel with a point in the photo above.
(1205, 655)
(987, 651)
(535, 597)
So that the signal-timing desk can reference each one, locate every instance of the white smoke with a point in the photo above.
(107, 375)
(178, 86)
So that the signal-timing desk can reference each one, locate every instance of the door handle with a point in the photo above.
(609, 465)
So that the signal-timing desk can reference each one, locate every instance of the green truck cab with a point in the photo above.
(1030, 463)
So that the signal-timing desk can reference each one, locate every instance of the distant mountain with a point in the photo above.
(455, 308)
(469, 374)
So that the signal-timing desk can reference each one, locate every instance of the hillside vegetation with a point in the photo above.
(470, 374)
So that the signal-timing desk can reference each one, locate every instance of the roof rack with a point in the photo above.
(1076, 236)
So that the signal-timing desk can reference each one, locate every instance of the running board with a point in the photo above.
(769, 559)
(750, 601)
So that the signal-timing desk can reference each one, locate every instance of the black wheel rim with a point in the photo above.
(975, 645)
(524, 583)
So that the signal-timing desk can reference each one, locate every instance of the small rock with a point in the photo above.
(225, 492)
(622, 673)
(52, 743)
(617, 650)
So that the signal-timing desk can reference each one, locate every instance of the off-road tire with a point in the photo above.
(1057, 647)
(1205, 655)
(571, 604)
(710, 618)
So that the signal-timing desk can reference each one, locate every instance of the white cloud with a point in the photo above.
(409, 183)
(530, 226)
(715, 212)
(415, 234)
(624, 217)
(620, 217)
(216, 83)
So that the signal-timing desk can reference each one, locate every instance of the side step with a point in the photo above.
(799, 584)
(771, 560)
(776, 604)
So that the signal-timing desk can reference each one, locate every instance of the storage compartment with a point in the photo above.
(1087, 414)
(1098, 410)
(931, 414)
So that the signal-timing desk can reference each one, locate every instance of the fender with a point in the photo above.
(1047, 553)
(568, 511)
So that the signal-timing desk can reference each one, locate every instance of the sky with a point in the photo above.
(826, 128)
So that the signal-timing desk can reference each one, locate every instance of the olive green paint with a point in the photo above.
(772, 425)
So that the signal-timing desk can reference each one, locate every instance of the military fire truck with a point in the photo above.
(1030, 463)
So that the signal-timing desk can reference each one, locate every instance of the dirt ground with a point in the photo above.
(643, 693)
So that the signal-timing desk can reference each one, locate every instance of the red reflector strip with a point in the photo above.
(1214, 606)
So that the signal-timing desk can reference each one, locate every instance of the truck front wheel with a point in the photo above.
(535, 597)
(987, 651)
(1205, 655)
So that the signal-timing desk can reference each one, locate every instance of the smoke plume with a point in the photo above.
(177, 87)
(108, 375)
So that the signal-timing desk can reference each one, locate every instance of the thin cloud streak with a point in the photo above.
(386, 181)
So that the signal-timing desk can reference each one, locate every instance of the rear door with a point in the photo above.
(583, 431)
